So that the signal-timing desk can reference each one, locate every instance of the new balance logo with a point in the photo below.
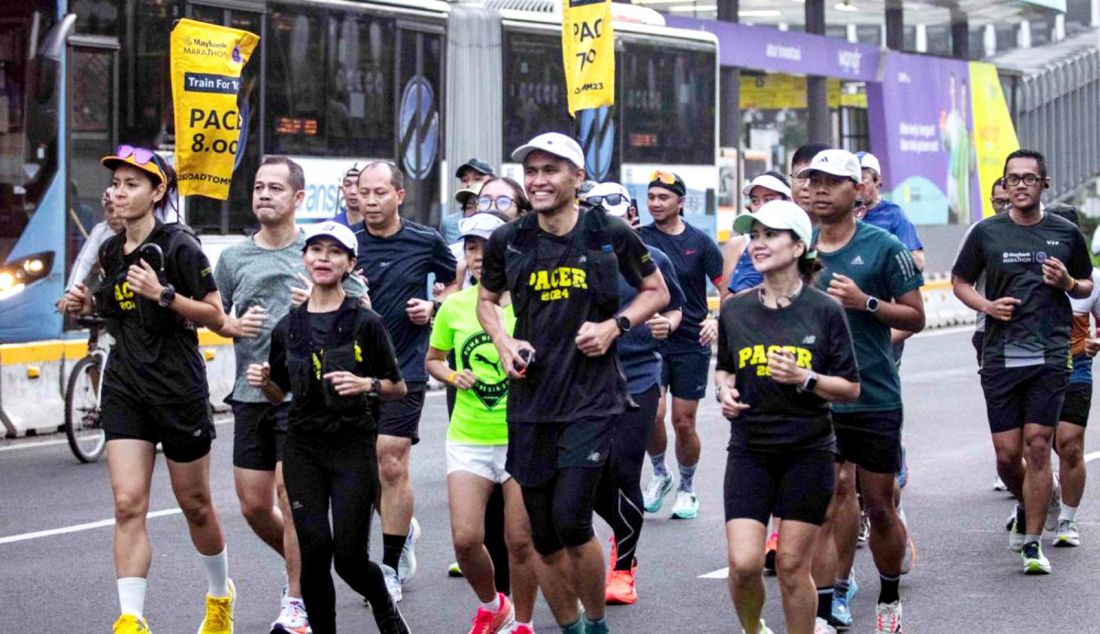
(384, 264)
(594, 456)
(858, 261)
(809, 340)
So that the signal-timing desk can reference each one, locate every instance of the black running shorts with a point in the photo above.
(871, 440)
(259, 433)
(185, 430)
(401, 417)
(685, 373)
(796, 485)
(1032, 394)
(1075, 407)
(536, 451)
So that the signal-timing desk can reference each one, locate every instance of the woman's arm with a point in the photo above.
(784, 370)
(436, 364)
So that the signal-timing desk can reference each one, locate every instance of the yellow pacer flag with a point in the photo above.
(206, 68)
(994, 134)
(588, 52)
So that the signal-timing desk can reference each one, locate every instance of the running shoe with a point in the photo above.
(292, 619)
(821, 626)
(999, 484)
(853, 586)
(864, 529)
(522, 629)
(910, 556)
(387, 617)
(219, 613)
(654, 494)
(840, 615)
(1011, 519)
(1067, 534)
(1054, 509)
(888, 618)
(130, 624)
(620, 587)
(1034, 561)
(686, 506)
(613, 554)
(903, 472)
(454, 570)
(770, 551)
(393, 582)
(764, 629)
(406, 566)
(1016, 537)
(486, 622)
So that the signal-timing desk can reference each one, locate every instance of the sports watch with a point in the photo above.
(872, 304)
(623, 322)
(809, 384)
(167, 296)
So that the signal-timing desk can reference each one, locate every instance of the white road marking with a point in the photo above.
(76, 528)
(940, 332)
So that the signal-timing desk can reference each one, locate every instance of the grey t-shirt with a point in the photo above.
(248, 274)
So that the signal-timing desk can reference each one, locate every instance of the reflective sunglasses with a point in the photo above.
(668, 178)
(1012, 180)
(611, 199)
(141, 155)
(501, 203)
(479, 222)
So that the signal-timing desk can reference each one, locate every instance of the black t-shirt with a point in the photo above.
(397, 269)
(1011, 256)
(815, 329)
(697, 259)
(156, 356)
(562, 383)
(374, 357)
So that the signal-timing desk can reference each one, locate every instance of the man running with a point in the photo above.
(874, 277)
(561, 267)
(686, 353)
(1031, 260)
(351, 215)
(396, 256)
(885, 214)
(470, 175)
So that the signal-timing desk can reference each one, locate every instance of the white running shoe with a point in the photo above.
(821, 626)
(655, 491)
(406, 566)
(764, 629)
(999, 484)
(292, 619)
(888, 618)
(1067, 535)
(393, 582)
(686, 506)
(1054, 509)
(1016, 537)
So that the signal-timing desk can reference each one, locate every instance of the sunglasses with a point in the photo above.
(501, 203)
(611, 199)
(668, 178)
(479, 222)
(141, 155)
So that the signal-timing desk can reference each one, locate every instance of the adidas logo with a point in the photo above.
(858, 261)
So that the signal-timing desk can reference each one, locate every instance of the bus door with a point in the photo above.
(92, 133)
(419, 112)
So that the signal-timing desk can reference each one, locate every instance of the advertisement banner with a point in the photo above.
(779, 92)
(922, 133)
(994, 134)
(206, 64)
(588, 53)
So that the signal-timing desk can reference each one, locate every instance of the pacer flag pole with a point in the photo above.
(206, 77)
(588, 51)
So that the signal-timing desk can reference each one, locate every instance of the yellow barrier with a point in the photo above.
(56, 349)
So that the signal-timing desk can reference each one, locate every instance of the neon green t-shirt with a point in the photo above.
(480, 413)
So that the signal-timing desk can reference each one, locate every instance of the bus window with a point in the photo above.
(296, 81)
(668, 105)
(534, 88)
(359, 69)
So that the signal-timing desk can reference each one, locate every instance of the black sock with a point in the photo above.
(1021, 519)
(392, 545)
(888, 591)
(825, 602)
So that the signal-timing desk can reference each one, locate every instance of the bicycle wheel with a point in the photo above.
(86, 437)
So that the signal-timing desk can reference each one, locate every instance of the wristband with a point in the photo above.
(1073, 286)
(451, 377)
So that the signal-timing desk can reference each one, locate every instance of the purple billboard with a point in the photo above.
(923, 135)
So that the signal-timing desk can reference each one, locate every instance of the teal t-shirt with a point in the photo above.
(884, 268)
(480, 413)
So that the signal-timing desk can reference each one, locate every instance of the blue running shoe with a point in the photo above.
(840, 616)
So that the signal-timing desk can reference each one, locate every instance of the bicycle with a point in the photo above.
(83, 396)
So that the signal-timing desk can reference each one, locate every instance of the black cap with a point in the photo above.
(668, 180)
(475, 164)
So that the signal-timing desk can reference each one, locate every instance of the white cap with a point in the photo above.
(479, 225)
(605, 189)
(767, 181)
(836, 162)
(554, 143)
(869, 161)
(779, 214)
(341, 234)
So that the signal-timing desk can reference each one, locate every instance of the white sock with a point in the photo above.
(217, 573)
(1068, 513)
(1032, 538)
(493, 605)
(131, 595)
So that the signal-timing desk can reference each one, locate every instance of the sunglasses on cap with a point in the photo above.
(142, 156)
(668, 178)
(501, 203)
(479, 222)
(611, 199)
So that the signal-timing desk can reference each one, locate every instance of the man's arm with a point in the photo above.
(595, 338)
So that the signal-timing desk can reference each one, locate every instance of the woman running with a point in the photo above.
(333, 355)
(157, 287)
(477, 445)
(737, 267)
(784, 352)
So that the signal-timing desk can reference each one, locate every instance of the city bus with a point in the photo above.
(333, 83)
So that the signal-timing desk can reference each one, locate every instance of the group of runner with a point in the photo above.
(560, 325)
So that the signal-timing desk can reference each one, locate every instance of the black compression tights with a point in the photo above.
(561, 509)
(340, 470)
(619, 496)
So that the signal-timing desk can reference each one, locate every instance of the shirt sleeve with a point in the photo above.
(970, 262)
(353, 286)
(676, 297)
(444, 264)
(380, 359)
(1080, 265)
(907, 232)
(725, 361)
(223, 277)
(902, 274)
(712, 261)
(635, 262)
(196, 279)
(841, 354)
(276, 357)
(493, 276)
(443, 334)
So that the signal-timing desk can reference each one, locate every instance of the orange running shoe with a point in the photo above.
(620, 587)
(486, 622)
(770, 551)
